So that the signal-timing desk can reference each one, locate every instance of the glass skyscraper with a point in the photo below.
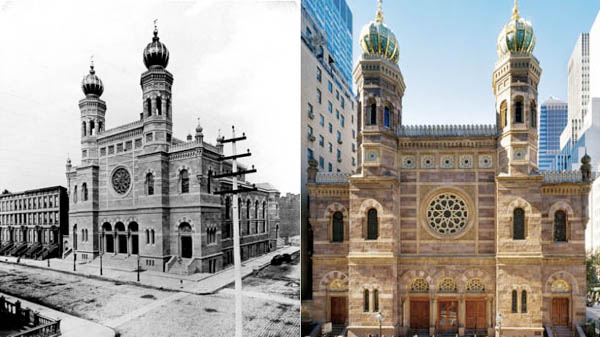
(553, 119)
(335, 19)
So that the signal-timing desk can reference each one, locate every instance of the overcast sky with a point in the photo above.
(233, 62)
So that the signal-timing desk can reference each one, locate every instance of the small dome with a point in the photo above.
(156, 53)
(378, 39)
(517, 36)
(199, 127)
(586, 159)
(91, 83)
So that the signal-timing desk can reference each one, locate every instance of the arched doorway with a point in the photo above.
(121, 238)
(134, 237)
(185, 240)
(109, 240)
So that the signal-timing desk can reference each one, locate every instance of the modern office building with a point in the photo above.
(328, 116)
(445, 228)
(334, 19)
(553, 119)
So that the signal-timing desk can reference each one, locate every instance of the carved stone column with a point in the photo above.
(461, 314)
(433, 312)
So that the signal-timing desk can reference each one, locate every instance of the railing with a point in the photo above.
(549, 331)
(579, 329)
(48, 330)
(118, 129)
(562, 176)
(332, 178)
(483, 130)
(42, 326)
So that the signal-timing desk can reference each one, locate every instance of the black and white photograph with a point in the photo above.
(149, 180)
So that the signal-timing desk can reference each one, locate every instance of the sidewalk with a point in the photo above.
(70, 326)
(196, 283)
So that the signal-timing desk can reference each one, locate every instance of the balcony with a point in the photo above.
(340, 141)
(311, 138)
(311, 115)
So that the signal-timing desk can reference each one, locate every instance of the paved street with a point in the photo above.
(146, 310)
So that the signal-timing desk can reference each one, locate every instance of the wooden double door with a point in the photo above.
(560, 311)
(448, 315)
(475, 314)
(339, 310)
(419, 313)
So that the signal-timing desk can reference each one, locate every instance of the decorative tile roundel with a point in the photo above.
(447, 214)
(121, 180)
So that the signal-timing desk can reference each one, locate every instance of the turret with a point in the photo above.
(93, 110)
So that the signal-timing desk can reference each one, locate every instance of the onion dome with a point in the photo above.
(517, 36)
(376, 38)
(91, 83)
(156, 53)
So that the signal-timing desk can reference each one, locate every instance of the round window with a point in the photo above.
(447, 214)
(121, 180)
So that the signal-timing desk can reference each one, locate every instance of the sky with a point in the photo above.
(233, 62)
(448, 51)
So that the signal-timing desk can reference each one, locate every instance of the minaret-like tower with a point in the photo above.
(93, 110)
(380, 88)
(515, 82)
(156, 85)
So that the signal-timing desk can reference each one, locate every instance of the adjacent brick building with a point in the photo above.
(445, 228)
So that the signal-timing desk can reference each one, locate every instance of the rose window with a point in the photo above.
(121, 180)
(447, 214)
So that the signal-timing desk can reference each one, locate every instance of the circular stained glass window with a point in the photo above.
(121, 180)
(447, 214)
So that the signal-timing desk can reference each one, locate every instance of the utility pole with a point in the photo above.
(237, 263)
(100, 244)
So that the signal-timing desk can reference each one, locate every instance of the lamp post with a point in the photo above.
(101, 244)
(499, 324)
(380, 319)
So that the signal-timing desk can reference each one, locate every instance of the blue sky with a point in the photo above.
(448, 50)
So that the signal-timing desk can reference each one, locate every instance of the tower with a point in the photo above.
(515, 82)
(93, 110)
(156, 85)
(380, 88)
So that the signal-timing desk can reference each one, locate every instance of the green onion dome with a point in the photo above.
(376, 38)
(517, 36)
(91, 83)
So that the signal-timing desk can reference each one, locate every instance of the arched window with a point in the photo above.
(519, 111)
(75, 194)
(366, 300)
(149, 106)
(168, 107)
(560, 226)
(152, 236)
(84, 192)
(373, 114)
(100, 126)
(227, 208)
(376, 300)
(524, 301)
(264, 210)
(518, 224)
(533, 114)
(386, 117)
(149, 184)
(503, 114)
(248, 205)
(83, 129)
(92, 128)
(337, 227)
(82, 235)
(158, 106)
(514, 302)
(185, 181)
(147, 236)
(372, 225)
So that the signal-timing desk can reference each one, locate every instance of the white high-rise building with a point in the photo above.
(579, 89)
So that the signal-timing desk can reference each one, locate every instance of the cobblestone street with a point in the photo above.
(134, 310)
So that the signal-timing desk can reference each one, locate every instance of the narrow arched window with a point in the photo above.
(519, 111)
(168, 107)
(149, 106)
(100, 126)
(533, 114)
(248, 205)
(75, 194)
(158, 106)
(185, 181)
(338, 227)
(372, 224)
(514, 302)
(386, 117)
(149, 184)
(366, 300)
(560, 226)
(524, 301)
(373, 114)
(147, 236)
(84, 192)
(92, 128)
(227, 208)
(518, 224)
(503, 114)
(83, 129)
(376, 300)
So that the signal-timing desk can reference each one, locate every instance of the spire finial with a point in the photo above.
(516, 10)
(155, 28)
(379, 16)
(92, 64)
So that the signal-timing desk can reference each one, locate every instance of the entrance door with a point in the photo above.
(448, 315)
(110, 243)
(475, 314)
(186, 247)
(134, 245)
(419, 314)
(122, 238)
(339, 310)
(560, 311)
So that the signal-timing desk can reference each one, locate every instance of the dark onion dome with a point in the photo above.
(156, 53)
(586, 159)
(91, 84)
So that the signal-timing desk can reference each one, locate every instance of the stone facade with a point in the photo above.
(141, 193)
(289, 215)
(445, 228)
